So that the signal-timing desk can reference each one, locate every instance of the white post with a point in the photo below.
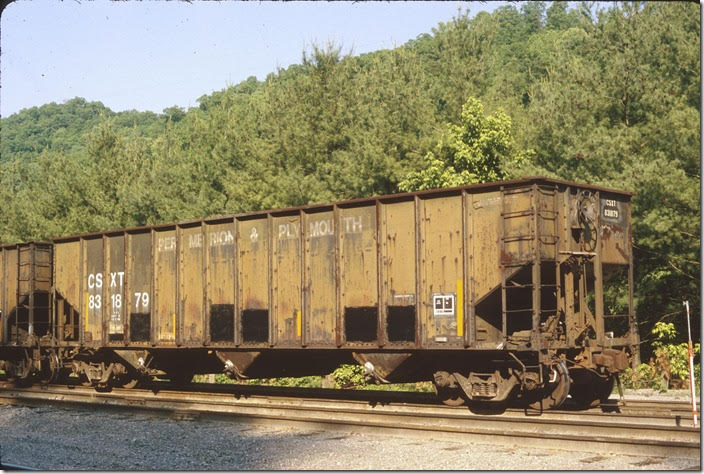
(690, 350)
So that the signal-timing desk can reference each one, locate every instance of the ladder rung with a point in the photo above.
(570, 252)
(510, 214)
(513, 238)
(528, 310)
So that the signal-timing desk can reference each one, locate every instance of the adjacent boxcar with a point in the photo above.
(492, 291)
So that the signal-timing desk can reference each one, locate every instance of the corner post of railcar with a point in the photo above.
(31, 289)
(502, 240)
(3, 295)
(535, 268)
(559, 298)
(598, 282)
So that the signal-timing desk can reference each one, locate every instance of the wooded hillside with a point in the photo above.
(607, 97)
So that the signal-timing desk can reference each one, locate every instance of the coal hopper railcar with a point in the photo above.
(493, 291)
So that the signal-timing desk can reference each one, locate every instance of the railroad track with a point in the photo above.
(14, 467)
(649, 428)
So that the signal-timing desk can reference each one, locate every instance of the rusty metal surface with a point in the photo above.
(114, 289)
(399, 269)
(25, 292)
(286, 279)
(67, 290)
(191, 289)
(495, 284)
(481, 187)
(92, 301)
(220, 281)
(517, 264)
(442, 271)
(8, 305)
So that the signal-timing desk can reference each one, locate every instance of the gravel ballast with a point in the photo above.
(62, 438)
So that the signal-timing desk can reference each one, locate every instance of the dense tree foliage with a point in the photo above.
(608, 96)
(477, 151)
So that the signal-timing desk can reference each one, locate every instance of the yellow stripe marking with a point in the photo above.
(298, 323)
(458, 311)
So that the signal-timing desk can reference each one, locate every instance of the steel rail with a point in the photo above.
(14, 467)
(585, 432)
(637, 408)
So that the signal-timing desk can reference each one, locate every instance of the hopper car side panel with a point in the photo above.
(399, 273)
(287, 271)
(455, 269)
(482, 288)
(191, 294)
(220, 279)
(115, 289)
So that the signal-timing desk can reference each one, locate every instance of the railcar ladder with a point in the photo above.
(511, 264)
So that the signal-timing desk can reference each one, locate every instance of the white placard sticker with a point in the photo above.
(443, 304)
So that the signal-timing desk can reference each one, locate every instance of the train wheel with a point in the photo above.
(64, 376)
(594, 393)
(127, 381)
(19, 373)
(84, 380)
(450, 396)
(555, 393)
(50, 367)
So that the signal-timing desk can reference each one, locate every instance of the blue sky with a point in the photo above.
(154, 54)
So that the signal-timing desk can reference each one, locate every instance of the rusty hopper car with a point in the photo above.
(494, 292)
